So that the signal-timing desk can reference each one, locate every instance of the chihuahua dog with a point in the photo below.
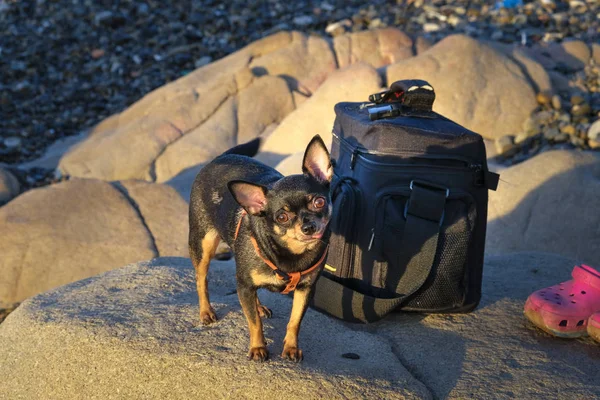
(276, 226)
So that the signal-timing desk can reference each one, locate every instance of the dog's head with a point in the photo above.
(297, 208)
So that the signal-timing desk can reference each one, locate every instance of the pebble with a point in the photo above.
(556, 102)
(505, 145)
(12, 142)
(202, 61)
(593, 132)
(98, 53)
(577, 99)
(551, 133)
(569, 130)
(581, 110)
(339, 27)
(303, 20)
(543, 99)
(561, 137)
(431, 27)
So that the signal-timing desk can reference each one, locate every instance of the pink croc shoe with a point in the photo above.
(594, 327)
(563, 310)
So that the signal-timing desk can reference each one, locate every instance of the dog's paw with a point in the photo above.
(292, 353)
(258, 354)
(264, 312)
(208, 316)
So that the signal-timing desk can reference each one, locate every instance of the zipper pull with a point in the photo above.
(372, 239)
(478, 179)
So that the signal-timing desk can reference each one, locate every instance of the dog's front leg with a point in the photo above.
(290, 343)
(248, 300)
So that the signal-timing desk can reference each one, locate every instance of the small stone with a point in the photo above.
(431, 27)
(561, 137)
(576, 99)
(531, 126)
(543, 98)
(521, 138)
(593, 132)
(581, 110)
(98, 53)
(12, 142)
(577, 142)
(202, 61)
(339, 27)
(303, 20)
(505, 145)
(110, 19)
(556, 102)
(551, 133)
(351, 356)
(569, 130)
(544, 117)
(497, 35)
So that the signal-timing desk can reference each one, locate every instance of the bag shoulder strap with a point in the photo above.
(424, 216)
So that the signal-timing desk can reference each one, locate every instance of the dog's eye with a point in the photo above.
(282, 218)
(319, 202)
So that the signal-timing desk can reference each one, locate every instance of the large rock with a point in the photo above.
(316, 115)
(75, 229)
(548, 203)
(9, 186)
(135, 332)
(494, 352)
(164, 213)
(376, 47)
(238, 120)
(533, 70)
(126, 146)
(476, 86)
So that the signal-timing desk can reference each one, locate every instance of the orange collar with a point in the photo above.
(292, 278)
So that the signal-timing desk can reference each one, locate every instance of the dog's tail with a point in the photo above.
(249, 149)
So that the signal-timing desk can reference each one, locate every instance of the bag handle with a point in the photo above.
(424, 217)
(409, 96)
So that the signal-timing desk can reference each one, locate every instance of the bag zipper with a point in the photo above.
(476, 168)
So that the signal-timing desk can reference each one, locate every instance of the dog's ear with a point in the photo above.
(251, 196)
(317, 162)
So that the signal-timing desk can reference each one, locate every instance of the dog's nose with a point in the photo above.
(309, 228)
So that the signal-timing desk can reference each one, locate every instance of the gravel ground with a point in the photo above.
(66, 65)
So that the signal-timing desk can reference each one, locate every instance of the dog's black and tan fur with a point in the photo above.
(288, 218)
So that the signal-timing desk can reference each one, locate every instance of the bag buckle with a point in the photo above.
(427, 185)
(430, 185)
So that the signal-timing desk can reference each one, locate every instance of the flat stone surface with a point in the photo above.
(471, 81)
(494, 352)
(548, 203)
(133, 333)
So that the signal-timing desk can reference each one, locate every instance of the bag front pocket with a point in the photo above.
(445, 284)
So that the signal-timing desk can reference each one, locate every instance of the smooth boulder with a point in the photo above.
(476, 85)
(548, 203)
(316, 115)
(79, 228)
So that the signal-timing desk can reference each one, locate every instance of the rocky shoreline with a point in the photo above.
(69, 65)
